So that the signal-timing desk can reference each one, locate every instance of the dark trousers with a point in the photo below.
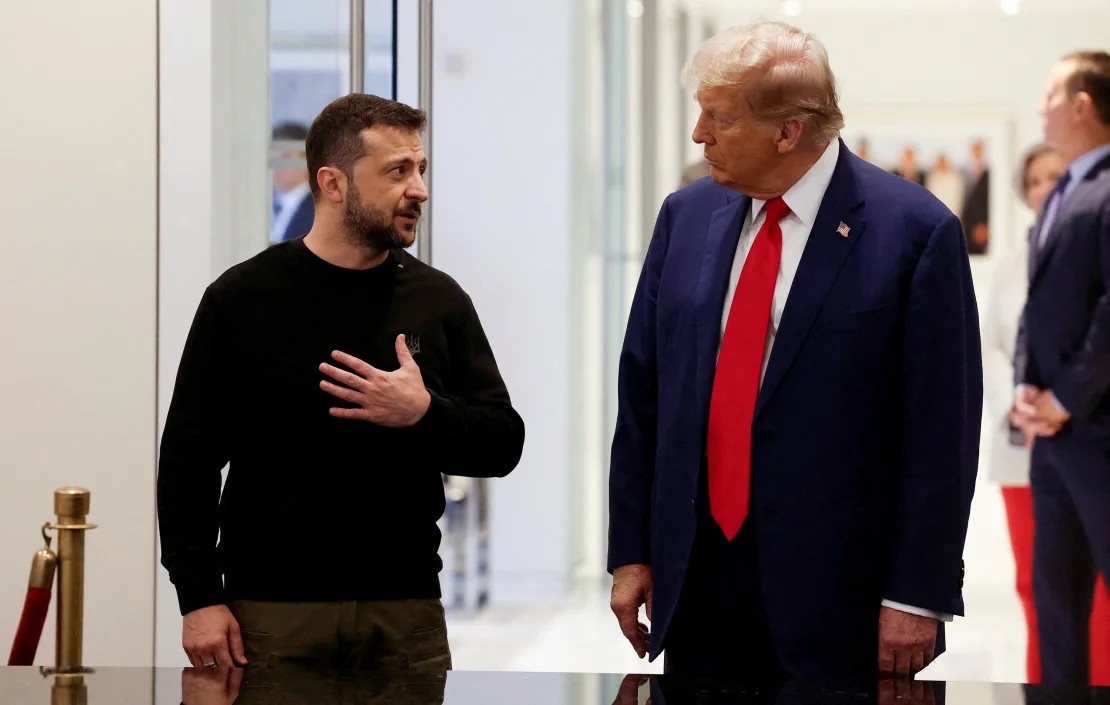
(719, 628)
(387, 635)
(1070, 480)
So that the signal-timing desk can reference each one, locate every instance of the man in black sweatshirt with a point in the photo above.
(339, 376)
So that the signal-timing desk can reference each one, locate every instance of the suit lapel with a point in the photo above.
(824, 255)
(1054, 235)
(720, 252)
(1043, 254)
(1034, 258)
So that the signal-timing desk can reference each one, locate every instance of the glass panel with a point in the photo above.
(615, 217)
(310, 66)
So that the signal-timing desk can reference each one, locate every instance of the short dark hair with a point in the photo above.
(1091, 75)
(335, 137)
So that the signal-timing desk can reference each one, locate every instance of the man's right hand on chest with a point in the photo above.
(632, 588)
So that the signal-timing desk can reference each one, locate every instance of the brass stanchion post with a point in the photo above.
(69, 689)
(71, 504)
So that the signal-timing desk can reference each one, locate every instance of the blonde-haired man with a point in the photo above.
(800, 394)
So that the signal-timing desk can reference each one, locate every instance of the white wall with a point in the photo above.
(185, 83)
(214, 190)
(77, 305)
(987, 59)
(503, 214)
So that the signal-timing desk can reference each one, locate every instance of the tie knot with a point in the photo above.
(1065, 179)
(776, 210)
(1062, 182)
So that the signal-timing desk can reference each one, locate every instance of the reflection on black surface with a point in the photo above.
(1065, 695)
(297, 685)
(293, 685)
(672, 690)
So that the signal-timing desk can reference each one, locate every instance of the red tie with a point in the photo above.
(736, 385)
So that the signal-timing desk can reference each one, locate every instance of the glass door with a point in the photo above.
(239, 84)
(320, 51)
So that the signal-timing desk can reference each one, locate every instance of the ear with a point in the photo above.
(790, 135)
(332, 183)
(1083, 103)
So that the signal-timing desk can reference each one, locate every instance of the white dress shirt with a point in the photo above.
(287, 205)
(804, 200)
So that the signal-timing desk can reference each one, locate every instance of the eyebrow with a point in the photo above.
(405, 160)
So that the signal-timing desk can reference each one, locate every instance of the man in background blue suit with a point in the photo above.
(294, 209)
(1062, 363)
(800, 394)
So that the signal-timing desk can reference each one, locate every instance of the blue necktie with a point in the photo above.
(1051, 210)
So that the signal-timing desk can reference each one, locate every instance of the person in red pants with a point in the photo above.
(1009, 457)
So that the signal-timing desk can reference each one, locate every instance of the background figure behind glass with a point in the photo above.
(294, 209)
(1009, 465)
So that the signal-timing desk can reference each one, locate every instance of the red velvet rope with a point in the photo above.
(27, 635)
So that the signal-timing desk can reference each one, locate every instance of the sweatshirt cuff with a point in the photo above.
(439, 414)
(196, 594)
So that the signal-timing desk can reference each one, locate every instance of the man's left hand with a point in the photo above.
(907, 642)
(393, 399)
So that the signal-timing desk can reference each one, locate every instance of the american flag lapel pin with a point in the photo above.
(843, 229)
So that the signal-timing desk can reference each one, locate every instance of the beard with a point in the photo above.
(370, 227)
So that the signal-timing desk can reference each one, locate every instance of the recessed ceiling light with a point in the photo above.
(635, 9)
(792, 8)
(1011, 7)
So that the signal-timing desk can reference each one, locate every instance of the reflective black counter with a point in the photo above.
(162, 686)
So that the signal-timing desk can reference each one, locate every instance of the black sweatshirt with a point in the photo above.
(317, 508)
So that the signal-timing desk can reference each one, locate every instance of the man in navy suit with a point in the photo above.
(1063, 367)
(800, 394)
(294, 209)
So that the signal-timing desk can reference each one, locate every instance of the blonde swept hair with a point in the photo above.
(783, 71)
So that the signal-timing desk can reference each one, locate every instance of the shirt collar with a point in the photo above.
(1081, 166)
(804, 197)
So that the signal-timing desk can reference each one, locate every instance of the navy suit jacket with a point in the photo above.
(1064, 338)
(302, 219)
(866, 433)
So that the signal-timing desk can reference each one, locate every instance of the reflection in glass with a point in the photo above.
(309, 61)
(310, 66)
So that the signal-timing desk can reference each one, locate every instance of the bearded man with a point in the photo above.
(340, 377)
